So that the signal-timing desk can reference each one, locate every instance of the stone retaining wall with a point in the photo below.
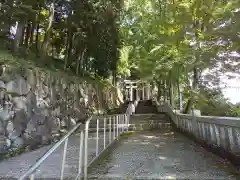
(36, 106)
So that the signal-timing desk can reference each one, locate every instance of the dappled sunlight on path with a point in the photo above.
(159, 155)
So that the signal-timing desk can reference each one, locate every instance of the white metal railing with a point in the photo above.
(113, 124)
(223, 132)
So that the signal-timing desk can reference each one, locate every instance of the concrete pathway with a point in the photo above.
(159, 155)
(51, 168)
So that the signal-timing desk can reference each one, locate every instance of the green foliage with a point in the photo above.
(123, 66)
(147, 39)
(174, 37)
(211, 102)
(180, 39)
(234, 111)
(83, 36)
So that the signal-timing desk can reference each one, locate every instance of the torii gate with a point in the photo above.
(137, 90)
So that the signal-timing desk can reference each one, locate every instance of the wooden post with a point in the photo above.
(143, 93)
(131, 92)
(148, 91)
(172, 94)
(165, 91)
(137, 98)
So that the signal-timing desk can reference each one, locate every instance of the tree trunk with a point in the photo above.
(32, 34)
(84, 64)
(22, 35)
(47, 34)
(37, 25)
(179, 97)
(37, 39)
(194, 87)
(171, 93)
(159, 91)
(18, 37)
(53, 50)
(79, 62)
(68, 50)
(114, 77)
(28, 30)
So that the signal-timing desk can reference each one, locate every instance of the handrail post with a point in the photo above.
(114, 124)
(64, 158)
(117, 126)
(80, 154)
(195, 124)
(97, 137)
(104, 133)
(110, 131)
(126, 120)
(86, 150)
(122, 122)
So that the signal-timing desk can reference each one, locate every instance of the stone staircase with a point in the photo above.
(147, 117)
(108, 121)
(146, 107)
(121, 109)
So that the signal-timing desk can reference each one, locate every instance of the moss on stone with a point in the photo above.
(126, 134)
(11, 153)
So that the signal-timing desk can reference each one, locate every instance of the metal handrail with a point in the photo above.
(49, 152)
(119, 122)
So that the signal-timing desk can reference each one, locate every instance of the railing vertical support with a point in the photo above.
(104, 133)
(86, 150)
(122, 122)
(64, 158)
(110, 131)
(126, 120)
(97, 138)
(195, 124)
(117, 125)
(80, 154)
(114, 124)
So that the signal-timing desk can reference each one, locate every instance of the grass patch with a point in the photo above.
(126, 134)
(11, 153)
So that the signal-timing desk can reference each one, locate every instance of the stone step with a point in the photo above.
(121, 109)
(148, 116)
(146, 106)
(107, 126)
(92, 130)
(148, 126)
(135, 127)
(146, 119)
(101, 123)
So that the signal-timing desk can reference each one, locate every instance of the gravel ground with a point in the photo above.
(160, 155)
